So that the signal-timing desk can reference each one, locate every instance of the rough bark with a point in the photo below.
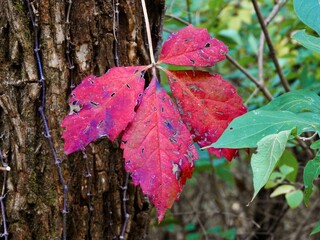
(34, 201)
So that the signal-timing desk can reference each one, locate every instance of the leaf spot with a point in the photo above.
(99, 124)
(128, 86)
(176, 170)
(192, 61)
(94, 103)
(207, 45)
(113, 94)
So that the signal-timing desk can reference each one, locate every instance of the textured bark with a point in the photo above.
(34, 200)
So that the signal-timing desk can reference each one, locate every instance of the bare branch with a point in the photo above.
(273, 56)
(263, 89)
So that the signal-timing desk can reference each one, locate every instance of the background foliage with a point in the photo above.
(214, 202)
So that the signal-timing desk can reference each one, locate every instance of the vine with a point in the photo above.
(34, 18)
(5, 168)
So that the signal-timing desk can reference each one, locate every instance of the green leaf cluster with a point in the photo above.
(269, 129)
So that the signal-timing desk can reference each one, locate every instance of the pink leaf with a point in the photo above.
(207, 104)
(158, 149)
(192, 47)
(102, 106)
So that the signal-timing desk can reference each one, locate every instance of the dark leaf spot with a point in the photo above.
(128, 86)
(94, 103)
(207, 45)
(112, 94)
(192, 61)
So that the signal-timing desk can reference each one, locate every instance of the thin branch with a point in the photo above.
(273, 56)
(271, 16)
(263, 89)
(177, 18)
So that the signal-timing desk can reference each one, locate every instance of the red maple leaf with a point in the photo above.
(158, 149)
(192, 47)
(102, 106)
(207, 104)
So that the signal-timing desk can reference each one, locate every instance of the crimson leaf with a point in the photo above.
(207, 104)
(102, 106)
(192, 47)
(158, 149)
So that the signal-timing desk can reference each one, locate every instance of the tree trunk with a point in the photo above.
(34, 199)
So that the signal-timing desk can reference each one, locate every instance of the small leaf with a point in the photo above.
(310, 173)
(192, 47)
(270, 149)
(283, 189)
(295, 101)
(308, 12)
(207, 104)
(316, 229)
(158, 149)
(246, 130)
(315, 145)
(310, 42)
(102, 106)
(294, 198)
(289, 160)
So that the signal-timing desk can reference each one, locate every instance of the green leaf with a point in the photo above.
(296, 102)
(315, 145)
(269, 151)
(246, 130)
(294, 198)
(285, 170)
(310, 42)
(283, 189)
(310, 172)
(316, 229)
(308, 12)
(275, 179)
(289, 160)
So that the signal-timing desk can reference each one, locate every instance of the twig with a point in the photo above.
(34, 17)
(273, 56)
(177, 18)
(272, 14)
(263, 89)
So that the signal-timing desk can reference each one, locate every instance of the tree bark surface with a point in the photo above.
(34, 199)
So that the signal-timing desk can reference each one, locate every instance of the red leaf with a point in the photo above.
(207, 104)
(192, 47)
(102, 106)
(158, 149)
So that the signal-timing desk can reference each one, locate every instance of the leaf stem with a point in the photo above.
(146, 19)
(273, 56)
